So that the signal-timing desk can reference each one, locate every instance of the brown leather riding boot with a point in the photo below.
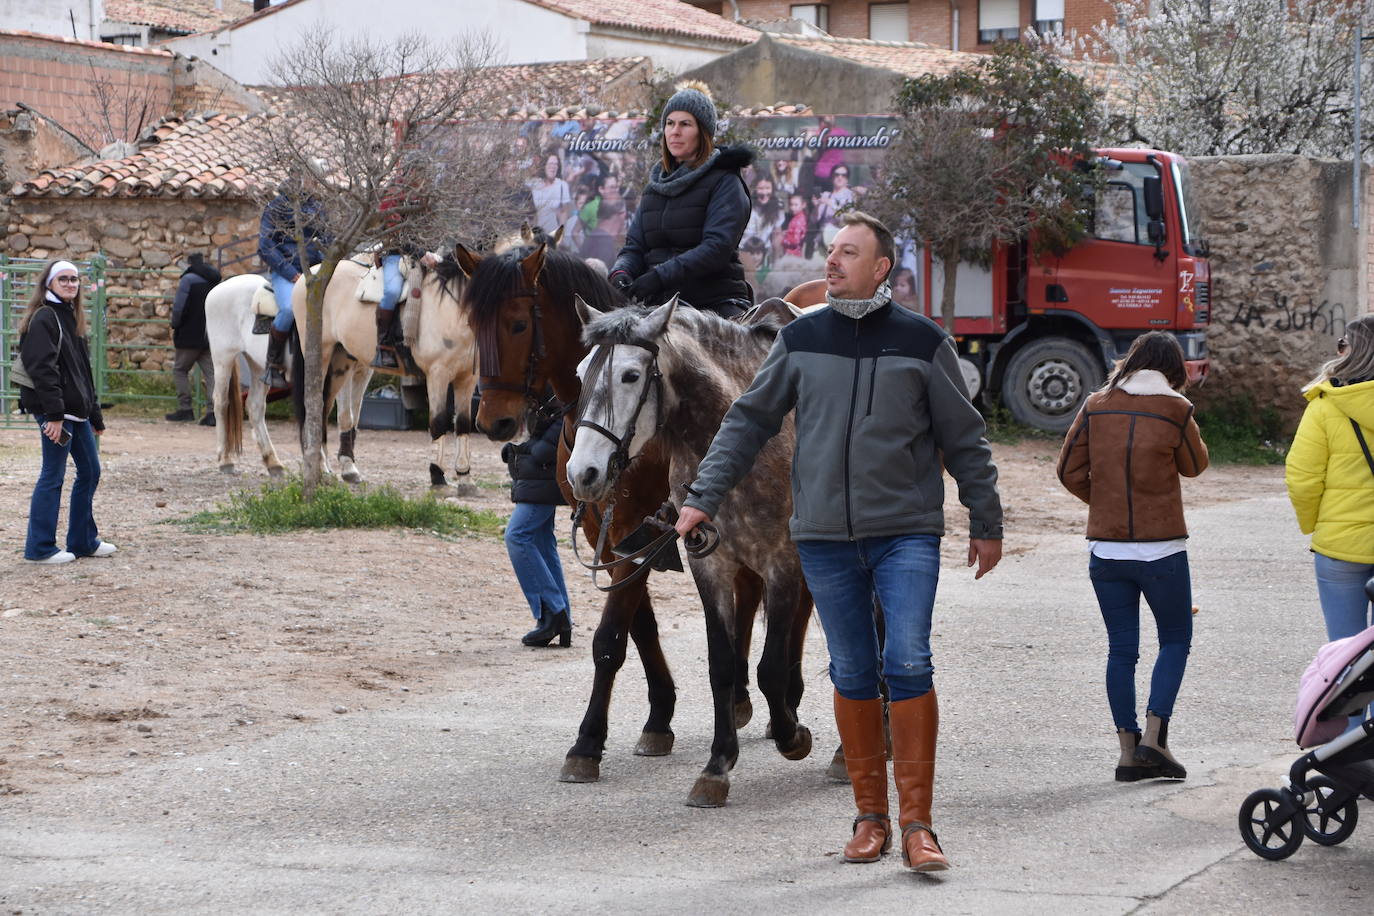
(865, 759)
(276, 359)
(915, 724)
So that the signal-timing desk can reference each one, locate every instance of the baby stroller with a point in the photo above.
(1323, 807)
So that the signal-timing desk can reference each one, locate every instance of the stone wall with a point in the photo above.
(1288, 273)
(139, 234)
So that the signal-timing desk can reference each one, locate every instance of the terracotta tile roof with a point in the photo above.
(908, 58)
(203, 156)
(102, 45)
(181, 17)
(670, 16)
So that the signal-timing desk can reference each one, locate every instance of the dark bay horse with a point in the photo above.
(665, 377)
(521, 305)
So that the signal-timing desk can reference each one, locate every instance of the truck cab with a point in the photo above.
(1044, 330)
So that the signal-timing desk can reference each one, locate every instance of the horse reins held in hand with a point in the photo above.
(700, 542)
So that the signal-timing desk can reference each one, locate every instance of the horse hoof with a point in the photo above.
(352, 476)
(229, 470)
(654, 744)
(744, 711)
(464, 490)
(836, 771)
(580, 769)
(801, 745)
(710, 791)
(277, 473)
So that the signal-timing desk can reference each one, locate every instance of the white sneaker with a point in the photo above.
(62, 556)
(104, 549)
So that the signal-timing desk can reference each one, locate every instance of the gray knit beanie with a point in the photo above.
(694, 98)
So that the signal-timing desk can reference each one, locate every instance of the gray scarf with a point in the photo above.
(681, 178)
(857, 308)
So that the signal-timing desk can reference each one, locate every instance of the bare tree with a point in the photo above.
(1222, 77)
(115, 110)
(360, 123)
(990, 154)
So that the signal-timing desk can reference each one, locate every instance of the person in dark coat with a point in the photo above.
(62, 398)
(189, 338)
(279, 250)
(686, 232)
(530, 538)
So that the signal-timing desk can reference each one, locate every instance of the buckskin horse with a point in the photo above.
(666, 377)
(521, 305)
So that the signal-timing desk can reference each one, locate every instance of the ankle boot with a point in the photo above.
(276, 364)
(865, 760)
(1128, 769)
(550, 625)
(386, 353)
(915, 725)
(1154, 749)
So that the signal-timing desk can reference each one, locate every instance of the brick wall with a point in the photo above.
(66, 79)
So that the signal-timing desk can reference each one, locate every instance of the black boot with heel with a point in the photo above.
(550, 625)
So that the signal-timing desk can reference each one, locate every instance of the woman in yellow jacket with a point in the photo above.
(1330, 478)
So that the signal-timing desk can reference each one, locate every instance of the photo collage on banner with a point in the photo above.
(586, 176)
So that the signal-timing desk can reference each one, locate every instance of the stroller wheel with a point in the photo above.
(1270, 824)
(1330, 818)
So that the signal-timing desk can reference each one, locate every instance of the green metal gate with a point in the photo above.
(113, 297)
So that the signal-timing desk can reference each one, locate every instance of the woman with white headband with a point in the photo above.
(57, 360)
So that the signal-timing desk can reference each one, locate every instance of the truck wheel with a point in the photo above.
(1047, 381)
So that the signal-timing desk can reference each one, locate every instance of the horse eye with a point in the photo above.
(518, 327)
(630, 377)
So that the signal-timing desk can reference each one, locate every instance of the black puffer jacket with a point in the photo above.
(532, 464)
(188, 310)
(685, 235)
(62, 380)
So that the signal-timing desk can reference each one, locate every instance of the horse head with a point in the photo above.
(622, 399)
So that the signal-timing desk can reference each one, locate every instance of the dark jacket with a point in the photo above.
(881, 406)
(188, 309)
(1123, 457)
(532, 464)
(277, 236)
(62, 380)
(686, 233)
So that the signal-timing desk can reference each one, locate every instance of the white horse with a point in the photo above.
(229, 326)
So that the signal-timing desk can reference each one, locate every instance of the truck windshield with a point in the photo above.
(1188, 216)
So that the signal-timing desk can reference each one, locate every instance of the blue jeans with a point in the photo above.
(392, 282)
(843, 577)
(1340, 586)
(533, 550)
(1167, 586)
(281, 288)
(82, 537)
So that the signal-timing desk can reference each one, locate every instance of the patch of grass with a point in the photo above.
(1004, 429)
(278, 509)
(1238, 432)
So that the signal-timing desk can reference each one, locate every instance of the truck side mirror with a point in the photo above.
(1154, 229)
(1154, 198)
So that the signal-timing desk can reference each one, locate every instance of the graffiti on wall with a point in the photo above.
(1277, 312)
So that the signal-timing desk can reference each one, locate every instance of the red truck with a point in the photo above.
(1044, 331)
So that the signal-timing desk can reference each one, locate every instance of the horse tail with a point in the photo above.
(232, 413)
(297, 379)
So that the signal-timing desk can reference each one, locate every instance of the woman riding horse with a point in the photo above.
(685, 236)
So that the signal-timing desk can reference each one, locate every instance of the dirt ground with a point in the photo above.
(182, 642)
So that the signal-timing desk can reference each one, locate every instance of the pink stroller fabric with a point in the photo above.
(1318, 688)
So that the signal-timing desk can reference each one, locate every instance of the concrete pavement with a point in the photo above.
(450, 804)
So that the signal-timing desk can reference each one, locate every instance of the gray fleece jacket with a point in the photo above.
(880, 402)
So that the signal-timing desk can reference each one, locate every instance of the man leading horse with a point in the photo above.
(880, 406)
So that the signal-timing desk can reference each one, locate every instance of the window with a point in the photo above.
(817, 14)
(887, 21)
(1119, 212)
(1049, 17)
(998, 20)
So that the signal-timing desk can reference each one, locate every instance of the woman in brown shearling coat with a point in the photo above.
(1123, 456)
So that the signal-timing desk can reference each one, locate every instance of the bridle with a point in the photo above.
(489, 355)
(648, 556)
